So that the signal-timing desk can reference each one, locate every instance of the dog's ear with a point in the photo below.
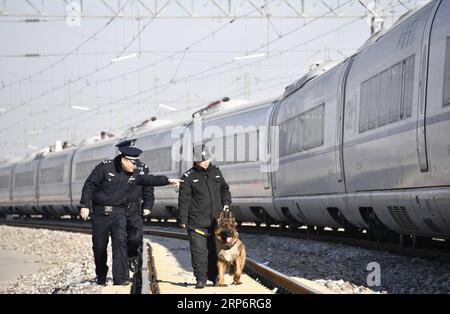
(221, 215)
(230, 214)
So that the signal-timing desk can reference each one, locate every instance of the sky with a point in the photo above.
(180, 63)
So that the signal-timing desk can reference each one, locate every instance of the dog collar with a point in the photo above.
(228, 246)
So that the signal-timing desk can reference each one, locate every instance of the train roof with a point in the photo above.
(238, 105)
(325, 67)
(158, 127)
(317, 71)
(397, 23)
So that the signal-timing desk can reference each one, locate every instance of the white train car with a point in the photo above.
(363, 144)
(24, 186)
(54, 192)
(6, 188)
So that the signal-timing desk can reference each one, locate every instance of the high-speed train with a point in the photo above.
(363, 144)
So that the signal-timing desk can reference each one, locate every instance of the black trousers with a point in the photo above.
(135, 234)
(203, 255)
(135, 237)
(102, 226)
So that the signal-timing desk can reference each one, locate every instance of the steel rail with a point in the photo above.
(258, 271)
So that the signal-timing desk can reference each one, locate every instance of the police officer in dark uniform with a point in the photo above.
(203, 194)
(105, 192)
(138, 203)
(139, 200)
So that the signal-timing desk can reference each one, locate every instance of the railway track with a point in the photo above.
(265, 275)
(426, 251)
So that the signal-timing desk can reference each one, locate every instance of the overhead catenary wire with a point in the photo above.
(128, 73)
(169, 84)
(193, 77)
(70, 52)
(159, 86)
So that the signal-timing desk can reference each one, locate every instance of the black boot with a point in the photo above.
(133, 262)
(101, 281)
(200, 284)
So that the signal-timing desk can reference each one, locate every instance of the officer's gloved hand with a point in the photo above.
(226, 208)
(146, 212)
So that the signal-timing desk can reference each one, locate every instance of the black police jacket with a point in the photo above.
(108, 184)
(202, 195)
(144, 193)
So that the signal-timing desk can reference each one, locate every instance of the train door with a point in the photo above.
(38, 182)
(436, 104)
(273, 146)
(270, 148)
(424, 87)
(186, 146)
(340, 173)
(71, 177)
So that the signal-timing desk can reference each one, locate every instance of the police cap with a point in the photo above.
(201, 152)
(130, 143)
(128, 149)
(130, 152)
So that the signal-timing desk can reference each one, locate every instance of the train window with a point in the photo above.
(233, 146)
(52, 175)
(383, 105)
(239, 148)
(250, 144)
(4, 182)
(396, 92)
(158, 159)
(219, 147)
(24, 179)
(388, 96)
(363, 112)
(283, 139)
(372, 102)
(84, 168)
(296, 134)
(302, 132)
(408, 86)
(447, 74)
(287, 136)
(313, 127)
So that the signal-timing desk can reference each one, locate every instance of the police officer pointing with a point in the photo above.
(139, 201)
(203, 194)
(106, 191)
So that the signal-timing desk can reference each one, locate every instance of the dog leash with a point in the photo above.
(203, 233)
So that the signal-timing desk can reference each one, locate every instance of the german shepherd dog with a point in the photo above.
(231, 252)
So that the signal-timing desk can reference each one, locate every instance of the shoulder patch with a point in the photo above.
(186, 174)
(107, 161)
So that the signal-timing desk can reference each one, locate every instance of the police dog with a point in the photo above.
(231, 251)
